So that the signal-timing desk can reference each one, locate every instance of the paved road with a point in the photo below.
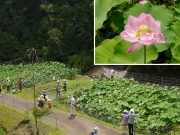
(71, 125)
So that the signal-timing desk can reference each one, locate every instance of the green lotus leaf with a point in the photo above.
(175, 47)
(116, 21)
(177, 12)
(160, 13)
(101, 9)
(176, 55)
(106, 50)
(122, 57)
(176, 30)
(125, 103)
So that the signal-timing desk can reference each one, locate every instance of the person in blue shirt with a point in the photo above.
(95, 131)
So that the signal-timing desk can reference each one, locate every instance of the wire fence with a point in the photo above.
(163, 81)
(142, 78)
(16, 104)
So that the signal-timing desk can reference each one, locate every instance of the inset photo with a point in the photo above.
(136, 32)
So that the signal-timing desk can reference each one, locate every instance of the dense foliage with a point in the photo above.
(110, 20)
(158, 107)
(43, 72)
(57, 29)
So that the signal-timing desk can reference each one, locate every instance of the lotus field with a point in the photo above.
(158, 107)
(43, 72)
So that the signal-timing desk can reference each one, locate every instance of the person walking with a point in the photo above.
(64, 85)
(124, 121)
(95, 131)
(20, 84)
(0, 88)
(73, 106)
(112, 72)
(8, 85)
(131, 121)
(58, 86)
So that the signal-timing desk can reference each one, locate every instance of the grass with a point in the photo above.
(58, 131)
(79, 81)
(1, 132)
(10, 119)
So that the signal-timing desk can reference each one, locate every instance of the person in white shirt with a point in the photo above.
(73, 106)
(112, 72)
(58, 87)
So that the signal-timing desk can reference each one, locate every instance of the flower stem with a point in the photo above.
(144, 54)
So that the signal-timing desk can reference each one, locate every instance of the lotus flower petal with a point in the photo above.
(142, 30)
(134, 47)
(143, 1)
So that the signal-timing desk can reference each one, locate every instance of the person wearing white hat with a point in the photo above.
(58, 86)
(95, 131)
(112, 72)
(42, 101)
(131, 110)
(131, 121)
(49, 104)
(8, 85)
(73, 106)
(124, 120)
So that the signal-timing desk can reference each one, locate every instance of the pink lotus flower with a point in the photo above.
(142, 1)
(142, 30)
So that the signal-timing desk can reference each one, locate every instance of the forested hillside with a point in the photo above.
(60, 30)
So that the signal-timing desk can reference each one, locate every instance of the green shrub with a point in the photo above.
(38, 112)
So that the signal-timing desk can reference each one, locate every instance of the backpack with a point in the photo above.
(93, 133)
(40, 103)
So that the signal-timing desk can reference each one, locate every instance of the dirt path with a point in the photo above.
(71, 125)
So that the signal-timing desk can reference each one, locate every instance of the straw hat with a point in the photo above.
(64, 80)
(58, 81)
(49, 99)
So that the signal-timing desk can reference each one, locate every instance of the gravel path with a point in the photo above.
(71, 125)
